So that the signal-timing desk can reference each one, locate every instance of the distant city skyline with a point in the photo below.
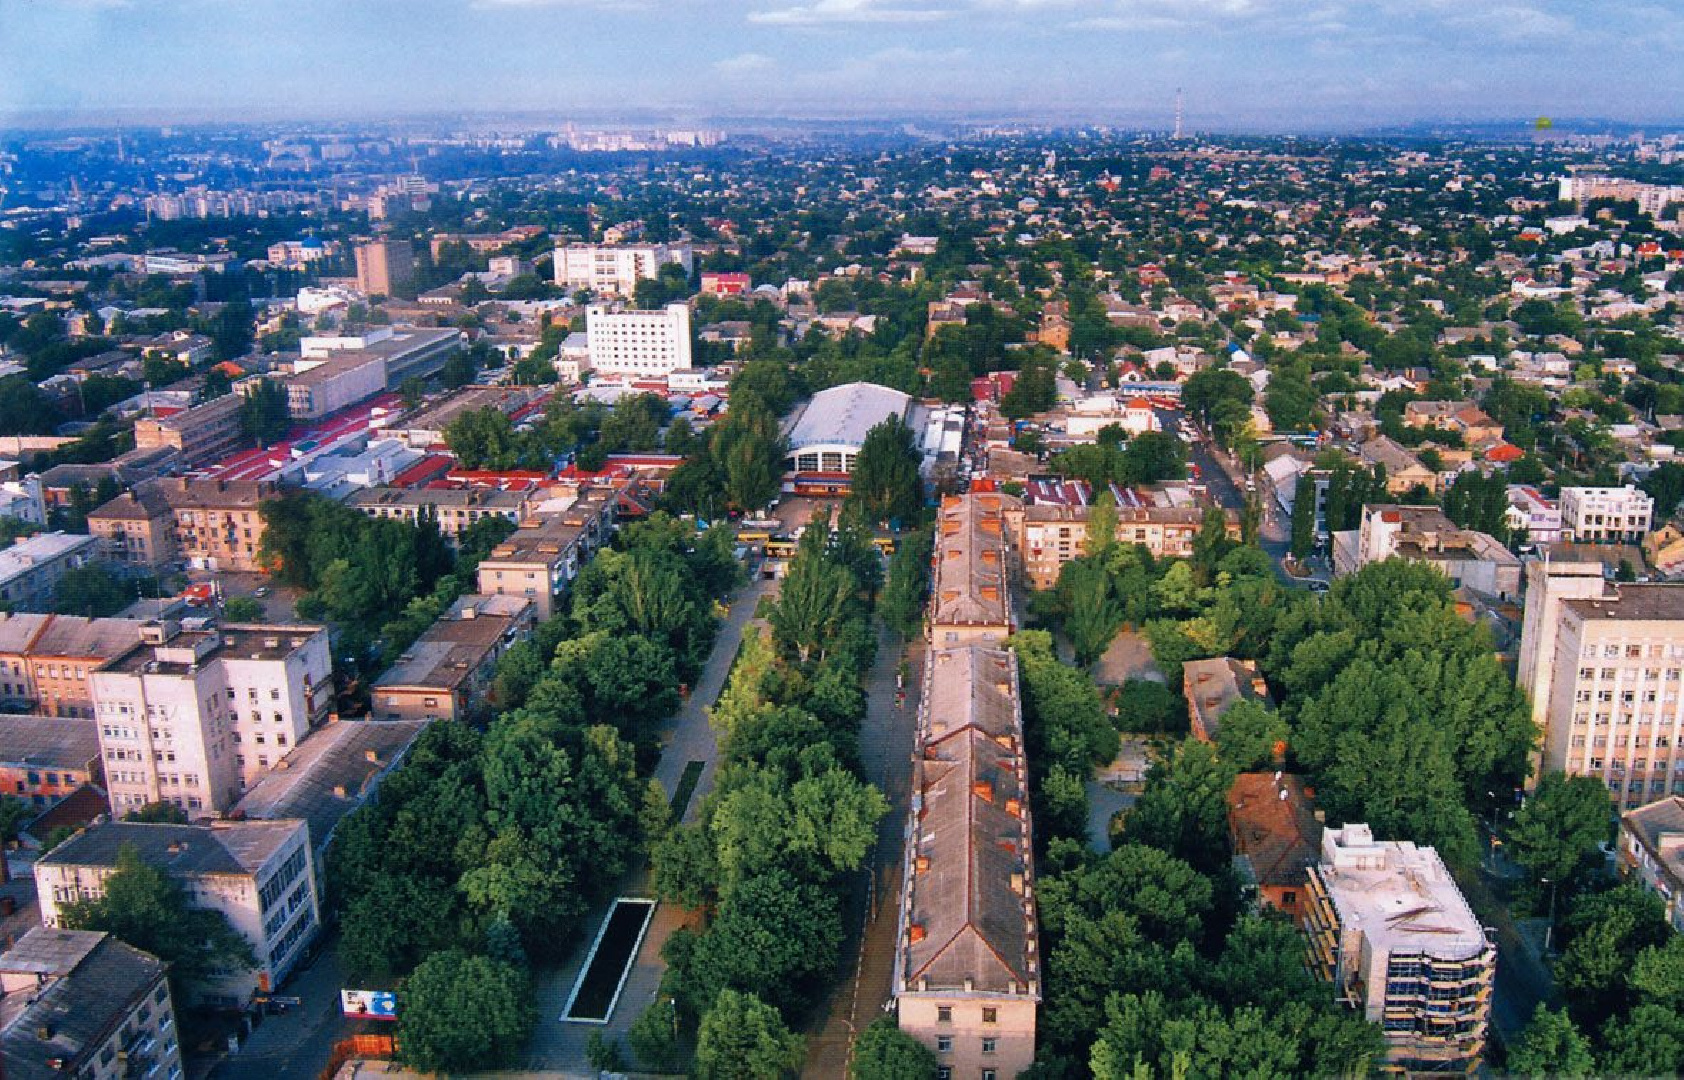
(1279, 64)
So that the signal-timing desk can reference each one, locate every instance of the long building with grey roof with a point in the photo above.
(970, 588)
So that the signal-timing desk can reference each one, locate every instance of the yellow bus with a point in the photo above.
(753, 536)
(780, 547)
(885, 544)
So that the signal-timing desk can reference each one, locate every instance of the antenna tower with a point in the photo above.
(1178, 113)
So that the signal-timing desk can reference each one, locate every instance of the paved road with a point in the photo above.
(886, 741)
(296, 1045)
(558, 1047)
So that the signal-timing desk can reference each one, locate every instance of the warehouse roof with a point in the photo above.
(842, 415)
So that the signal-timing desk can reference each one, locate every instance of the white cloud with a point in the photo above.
(850, 11)
(749, 63)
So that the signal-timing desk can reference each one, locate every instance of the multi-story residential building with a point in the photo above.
(1471, 559)
(45, 660)
(541, 558)
(1612, 706)
(1548, 583)
(81, 1003)
(138, 528)
(1391, 931)
(1212, 687)
(384, 266)
(31, 568)
(967, 959)
(610, 270)
(638, 343)
(1275, 833)
(1652, 850)
(200, 434)
(455, 509)
(1050, 535)
(260, 874)
(1591, 515)
(443, 674)
(211, 524)
(43, 759)
(970, 600)
(195, 716)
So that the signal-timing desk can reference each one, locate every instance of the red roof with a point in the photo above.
(1506, 453)
(428, 468)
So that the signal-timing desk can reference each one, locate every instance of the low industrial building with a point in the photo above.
(200, 434)
(824, 436)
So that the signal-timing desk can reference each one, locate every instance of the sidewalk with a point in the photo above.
(557, 1046)
(886, 740)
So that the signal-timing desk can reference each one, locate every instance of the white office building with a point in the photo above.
(615, 270)
(1606, 515)
(640, 344)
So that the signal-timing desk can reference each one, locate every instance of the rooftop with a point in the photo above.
(969, 586)
(454, 646)
(969, 916)
(1399, 896)
(329, 774)
(75, 635)
(221, 847)
(1273, 827)
(90, 983)
(842, 415)
(47, 742)
(1634, 603)
(184, 650)
(1212, 687)
(41, 548)
(1660, 828)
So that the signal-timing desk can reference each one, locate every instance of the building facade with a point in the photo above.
(539, 560)
(1652, 851)
(443, 675)
(31, 568)
(260, 874)
(1591, 515)
(615, 270)
(200, 434)
(455, 509)
(648, 344)
(384, 266)
(195, 716)
(1389, 929)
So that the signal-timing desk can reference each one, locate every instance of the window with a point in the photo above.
(988, 1045)
(944, 1044)
(944, 1014)
(988, 1074)
(944, 1072)
(990, 1015)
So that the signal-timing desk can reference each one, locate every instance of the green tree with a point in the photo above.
(1666, 483)
(1605, 935)
(1184, 807)
(1148, 707)
(1249, 734)
(92, 590)
(1303, 537)
(908, 584)
(1551, 1046)
(813, 603)
(1557, 831)
(885, 485)
(885, 1052)
(242, 609)
(158, 813)
(264, 415)
(459, 1012)
(653, 1037)
(743, 1038)
(1095, 615)
(145, 908)
(14, 814)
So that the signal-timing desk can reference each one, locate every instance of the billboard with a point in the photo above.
(369, 1004)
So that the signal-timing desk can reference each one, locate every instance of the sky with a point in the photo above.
(1277, 64)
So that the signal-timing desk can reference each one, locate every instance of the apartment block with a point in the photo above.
(970, 599)
(194, 715)
(455, 509)
(384, 266)
(210, 524)
(200, 434)
(1389, 929)
(1050, 535)
(1591, 515)
(1611, 705)
(81, 1003)
(541, 558)
(260, 874)
(967, 977)
(43, 759)
(1652, 851)
(31, 568)
(443, 674)
(637, 343)
(615, 270)
(138, 528)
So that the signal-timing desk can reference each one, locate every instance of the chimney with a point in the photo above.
(984, 790)
(371, 756)
(1017, 884)
(339, 791)
(1014, 807)
(915, 933)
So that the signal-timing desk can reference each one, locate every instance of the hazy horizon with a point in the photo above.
(1243, 65)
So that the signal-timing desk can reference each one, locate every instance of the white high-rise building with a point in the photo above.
(194, 717)
(638, 343)
(614, 270)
